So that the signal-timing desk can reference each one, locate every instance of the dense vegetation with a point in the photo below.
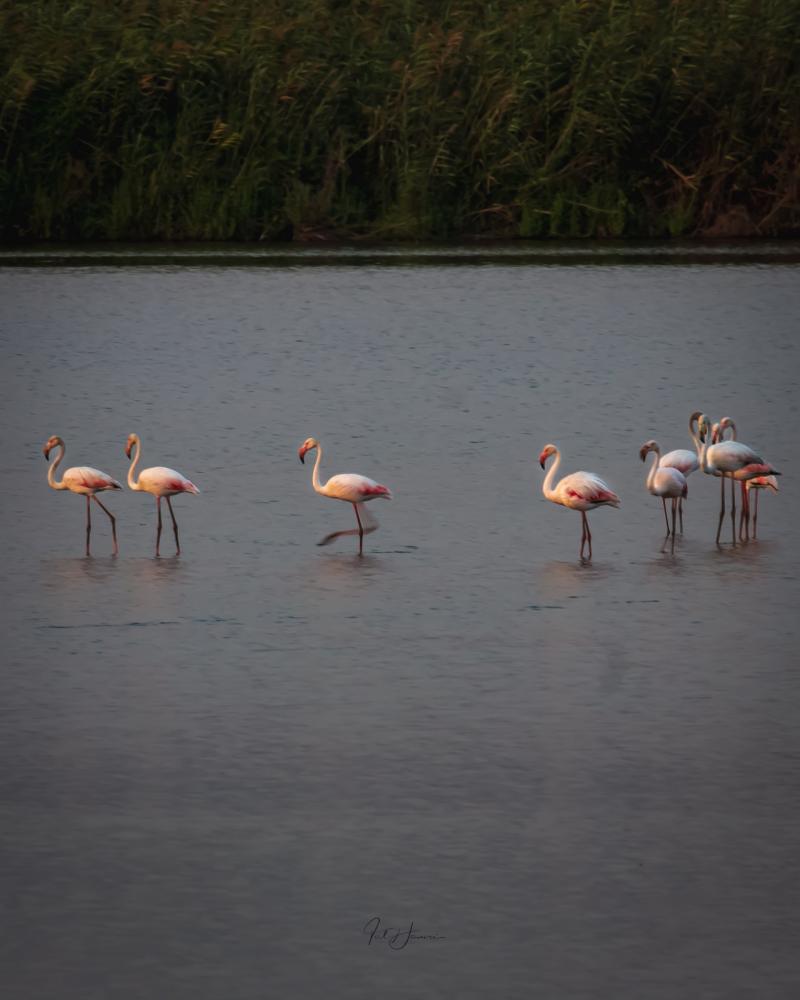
(221, 119)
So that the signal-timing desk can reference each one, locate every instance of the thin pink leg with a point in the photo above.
(88, 523)
(722, 505)
(158, 531)
(113, 523)
(360, 531)
(174, 527)
(733, 510)
(755, 515)
(674, 508)
(680, 512)
(666, 520)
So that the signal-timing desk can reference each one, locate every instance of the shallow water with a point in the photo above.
(219, 767)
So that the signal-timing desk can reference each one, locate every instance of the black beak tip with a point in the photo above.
(302, 459)
(542, 464)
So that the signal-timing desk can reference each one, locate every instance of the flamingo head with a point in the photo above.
(693, 420)
(703, 427)
(547, 451)
(648, 446)
(132, 440)
(725, 424)
(50, 443)
(308, 445)
(716, 433)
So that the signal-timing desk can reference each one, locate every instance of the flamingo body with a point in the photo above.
(348, 487)
(85, 481)
(581, 491)
(163, 482)
(685, 461)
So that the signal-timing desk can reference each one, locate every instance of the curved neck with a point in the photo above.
(51, 472)
(547, 485)
(315, 474)
(704, 453)
(651, 476)
(695, 434)
(133, 483)
(730, 426)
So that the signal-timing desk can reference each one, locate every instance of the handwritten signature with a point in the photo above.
(397, 939)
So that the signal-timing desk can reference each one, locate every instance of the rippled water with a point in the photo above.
(219, 767)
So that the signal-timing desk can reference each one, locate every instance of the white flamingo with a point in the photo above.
(579, 491)
(683, 460)
(159, 481)
(348, 487)
(661, 482)
(731, 460)
(84, 480)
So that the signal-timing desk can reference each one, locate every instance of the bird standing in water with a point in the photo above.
(579, 491)
(159, 481)
(86, 481)
(349, 487)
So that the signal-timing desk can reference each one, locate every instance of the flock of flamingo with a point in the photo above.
(582, 491)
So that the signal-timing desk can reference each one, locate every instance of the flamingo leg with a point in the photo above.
(174, 527)
(733, 510)
(158, 531)
(666, 520)
(360, 531)
(680, 512)
(722, 507)
(587, 533)
(583, 532)
(755, 514)
(113, 523)
(745, 513)
(674, 508)
(88, 523)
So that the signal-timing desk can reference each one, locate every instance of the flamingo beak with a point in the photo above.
(543, 458)
(301, 454)
(642, 452)
(127, 451)
(46, 452)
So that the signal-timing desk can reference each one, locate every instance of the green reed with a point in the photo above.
(214, 119)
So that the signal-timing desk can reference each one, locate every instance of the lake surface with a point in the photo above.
(217, 768)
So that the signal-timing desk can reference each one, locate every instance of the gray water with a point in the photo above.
(217, 768)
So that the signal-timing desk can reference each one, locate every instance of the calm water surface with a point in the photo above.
(217, 768)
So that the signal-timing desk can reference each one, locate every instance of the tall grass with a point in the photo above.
(247, 119)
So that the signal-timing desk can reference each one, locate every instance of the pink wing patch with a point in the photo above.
(599, 496)
(375, 491)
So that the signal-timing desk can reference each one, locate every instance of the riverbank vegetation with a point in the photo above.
(398, 119)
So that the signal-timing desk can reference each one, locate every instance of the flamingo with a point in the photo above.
(732, 460)
(579, 491)
(84, 480)
(758, 484)
(160, 482)
(683, 460)
(349, 487)
(661, 482)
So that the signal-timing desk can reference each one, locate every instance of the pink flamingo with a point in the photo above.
(661, 482)
(84, 480)
(579, 491)
(159, 481)
(758, 484)
(683, 460)
(349, 487)
(732, 460)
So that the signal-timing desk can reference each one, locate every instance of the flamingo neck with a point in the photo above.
(730, 426)
(315, 474)
(51, 472)
(549, 479)
(694, 432)
(651, 475)
(134, 483)
(704, 456)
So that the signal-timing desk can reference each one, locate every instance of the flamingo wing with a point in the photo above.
(85, 478)
(682, 459)
(584, 490)
(355, 489)
(160, 479)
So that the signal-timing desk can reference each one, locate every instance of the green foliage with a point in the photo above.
(214, 119)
